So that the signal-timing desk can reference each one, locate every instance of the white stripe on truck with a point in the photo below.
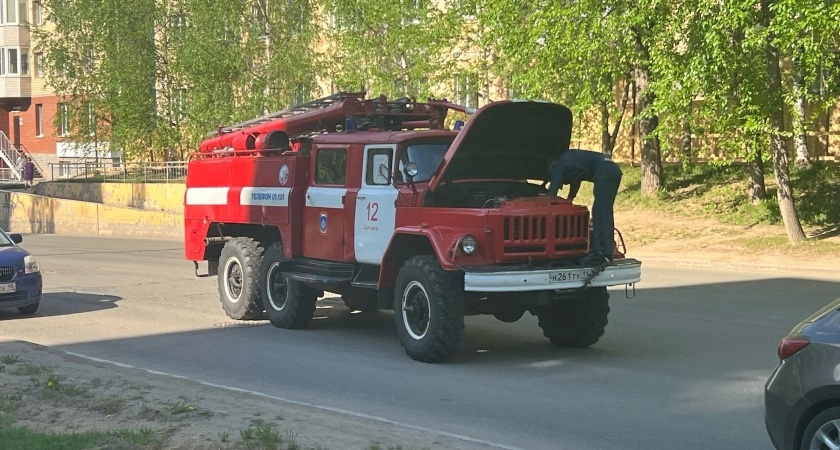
(207, 196)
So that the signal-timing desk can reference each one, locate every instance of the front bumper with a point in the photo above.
(620, 271)
(27, 291)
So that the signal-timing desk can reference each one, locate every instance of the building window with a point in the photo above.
(63, 119)
(11, 61)
(10, 11)
(24, 61)
(39, 120)
(37, 13)
(39, 63)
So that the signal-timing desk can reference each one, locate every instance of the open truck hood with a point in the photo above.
(508, 139)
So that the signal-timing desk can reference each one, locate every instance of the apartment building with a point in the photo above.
(28, 108)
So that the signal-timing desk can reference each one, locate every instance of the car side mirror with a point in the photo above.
(16, 238)
(384, 177)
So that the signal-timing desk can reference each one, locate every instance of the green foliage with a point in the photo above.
(389, 47)
(152, 78)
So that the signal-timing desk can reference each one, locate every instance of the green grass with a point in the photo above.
(720, 192)
(30, 370)
(24, 438)
(9, 359)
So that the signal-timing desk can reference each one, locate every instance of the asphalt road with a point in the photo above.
(682, 365)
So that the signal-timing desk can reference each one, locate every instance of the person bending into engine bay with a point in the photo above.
(575, 166)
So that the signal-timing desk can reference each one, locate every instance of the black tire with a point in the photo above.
(360, 302)
(577, 322)
(29, 309)
(239, 271)
(826, 421)
(288, 303)
(428, 309)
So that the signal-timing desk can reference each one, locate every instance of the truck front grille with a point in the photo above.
(548, 235)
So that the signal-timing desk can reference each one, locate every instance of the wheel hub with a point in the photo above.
(416, 310)
(233, 275)
(277, 288)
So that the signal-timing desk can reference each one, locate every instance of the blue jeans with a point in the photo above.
(607, 178)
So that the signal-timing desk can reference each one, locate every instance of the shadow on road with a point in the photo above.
(64, 303)
(686, 359)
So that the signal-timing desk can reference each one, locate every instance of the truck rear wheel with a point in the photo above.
(577, 322)
(428, 309)
(289, 303)
(238, 278)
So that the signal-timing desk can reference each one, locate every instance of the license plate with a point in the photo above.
(568, 275)
(5, 288)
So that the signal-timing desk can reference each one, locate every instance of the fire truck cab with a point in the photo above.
(377, 201)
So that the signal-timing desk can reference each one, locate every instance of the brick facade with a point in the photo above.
(15, 110)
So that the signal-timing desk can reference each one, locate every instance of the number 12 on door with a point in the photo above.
(372, 210)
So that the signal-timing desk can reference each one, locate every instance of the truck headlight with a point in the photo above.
(30, 264)
(468, 244)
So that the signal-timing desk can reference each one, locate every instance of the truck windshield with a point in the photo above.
(427, 157)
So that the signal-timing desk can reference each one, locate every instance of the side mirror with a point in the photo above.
(16, 238)
(384, 177)
(411, 169)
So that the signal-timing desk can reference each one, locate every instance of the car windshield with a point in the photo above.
(4, 240)
(427, 157)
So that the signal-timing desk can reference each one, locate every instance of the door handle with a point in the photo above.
(361, 198)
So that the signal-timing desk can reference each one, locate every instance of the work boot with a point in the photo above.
(593, 259)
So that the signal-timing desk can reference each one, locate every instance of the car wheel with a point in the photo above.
(239, 271)
(288, 303)
(428, 309)
(823, 431)
(577, 322)
(29, 309)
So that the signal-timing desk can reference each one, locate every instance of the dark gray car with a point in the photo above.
(802, 396)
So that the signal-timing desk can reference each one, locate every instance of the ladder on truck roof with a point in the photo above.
(292, 111)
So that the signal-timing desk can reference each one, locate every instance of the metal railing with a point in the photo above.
(139, 172)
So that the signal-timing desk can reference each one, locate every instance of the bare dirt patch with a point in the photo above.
(660, 237)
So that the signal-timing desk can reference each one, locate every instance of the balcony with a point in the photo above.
(15, 86)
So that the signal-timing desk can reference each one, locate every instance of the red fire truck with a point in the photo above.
(377, 201)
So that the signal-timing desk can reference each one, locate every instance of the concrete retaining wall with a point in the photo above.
(30, 213)
(147, 196)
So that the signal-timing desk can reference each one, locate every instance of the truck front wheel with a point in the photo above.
(578, 322)
(239, 291)
(428, 309)
(289, 303)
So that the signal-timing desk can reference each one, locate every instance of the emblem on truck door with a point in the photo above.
(322, 222)
(284, 175)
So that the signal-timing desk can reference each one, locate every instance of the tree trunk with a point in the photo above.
(651, 158)
(755, 166)
(634, 102)
(777, 146)
(651, 162)
(606, 145)
(685, 144)
(799, 125)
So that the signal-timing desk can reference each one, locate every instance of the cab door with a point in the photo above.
(324, 206)
(375, 205)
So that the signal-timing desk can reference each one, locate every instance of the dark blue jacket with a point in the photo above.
(571, 168)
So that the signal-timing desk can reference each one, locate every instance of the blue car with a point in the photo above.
(20, 276)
